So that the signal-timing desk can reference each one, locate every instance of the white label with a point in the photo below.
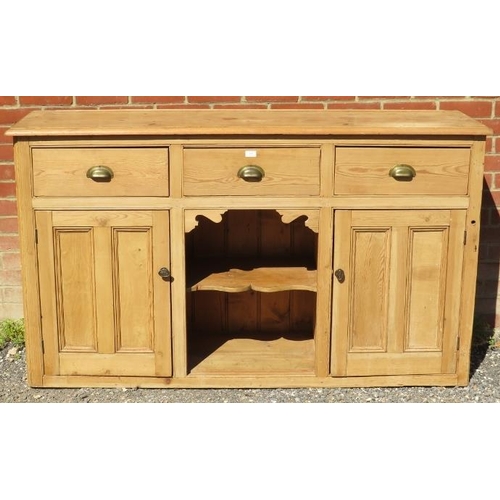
(250, 153)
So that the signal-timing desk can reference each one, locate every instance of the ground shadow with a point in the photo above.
(487, 281)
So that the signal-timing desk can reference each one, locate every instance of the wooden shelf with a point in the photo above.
(263, 279)
(251, 356)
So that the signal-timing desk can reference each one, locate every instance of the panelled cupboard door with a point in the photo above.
(105, 309)
(397, 283)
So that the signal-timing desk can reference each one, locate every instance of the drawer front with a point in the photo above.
(251, 171)
(401, 170)
(127, 172)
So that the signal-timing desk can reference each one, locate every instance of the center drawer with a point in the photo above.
(411, 170)
(251, 171)
(111, 171)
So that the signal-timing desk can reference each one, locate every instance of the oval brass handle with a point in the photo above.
(100, 174)
(402, 172)
(251, 173)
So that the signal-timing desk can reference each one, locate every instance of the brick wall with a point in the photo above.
(484, 109)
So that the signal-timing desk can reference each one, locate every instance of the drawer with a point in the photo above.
(420, 170)
(251, 171)
(127, 171)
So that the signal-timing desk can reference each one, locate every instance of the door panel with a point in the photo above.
(370, 282)
(396, 313)
(105, 310)
(426, 288)
(74, 278)
(134, 291)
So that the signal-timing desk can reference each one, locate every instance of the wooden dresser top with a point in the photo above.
(131, 122)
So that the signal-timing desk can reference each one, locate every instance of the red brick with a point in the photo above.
(97, 100)
(8, 207)
(45, 100)
(492, 163)
(240, 106)
(127, 106)
(7, 100)
(490, 180)
(327, 98)
(354, 105)
(10, 277)
(183, 106)
(7, 189)
(410, 105)
(200, 99)
(272, 99)
(495, 195)
(11, 116)
(476, 109)
(177, 99)
(493, 124)
(494, 221)
(6, 172)
(9, 225)
(496, 142)
(6, 152)
(5, 139)
(300, 105)
(490, 144)
(9, 243)
(11, 310)
(497, 108)
(12, 295)
(11, 260)
(489, 205)
(383, 97)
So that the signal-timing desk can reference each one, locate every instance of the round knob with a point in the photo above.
(340, 275)
(164, 273)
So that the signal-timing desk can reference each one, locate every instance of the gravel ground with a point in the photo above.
(484, 387)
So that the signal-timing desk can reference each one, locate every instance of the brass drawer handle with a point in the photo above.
(251, 173)
(402, 172)
(100, 174)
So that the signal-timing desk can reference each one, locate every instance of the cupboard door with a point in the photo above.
(396, 298)
(105, 309)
